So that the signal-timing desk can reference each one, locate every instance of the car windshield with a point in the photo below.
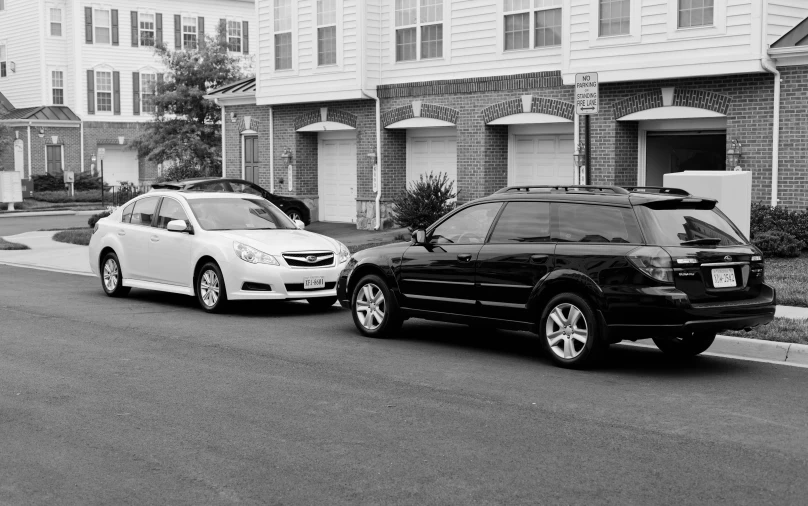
(239, 214)
(680, 226)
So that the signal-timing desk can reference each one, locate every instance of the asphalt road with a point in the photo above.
(18, 225)
(147, 400)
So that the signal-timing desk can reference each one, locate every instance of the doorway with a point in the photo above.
(251, 163)
(668, 152)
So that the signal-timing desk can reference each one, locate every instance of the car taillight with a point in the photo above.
(654, 262)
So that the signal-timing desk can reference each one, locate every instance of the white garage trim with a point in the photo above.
(419, 123)
(528, 117)
(325, 126)
(673, 112)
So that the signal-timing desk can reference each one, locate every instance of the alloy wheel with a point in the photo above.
(110, 274)
(294, 215)
(371, 306)
(209, 288)
(566, 331)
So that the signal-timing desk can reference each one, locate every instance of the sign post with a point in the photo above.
(586, 104)
(101, 153)
(70, 178)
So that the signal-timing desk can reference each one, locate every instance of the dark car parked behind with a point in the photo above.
(294, 208)
(581, 266)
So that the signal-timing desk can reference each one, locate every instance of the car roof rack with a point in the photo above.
(616, 190)
(663, 190)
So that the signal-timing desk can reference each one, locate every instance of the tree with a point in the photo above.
(6, 141)
(186, 132)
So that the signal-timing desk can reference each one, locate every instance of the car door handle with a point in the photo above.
(154, 238)
(464, 257)
(538, 259)
(121, 233)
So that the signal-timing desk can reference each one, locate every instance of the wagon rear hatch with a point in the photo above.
(712, 261)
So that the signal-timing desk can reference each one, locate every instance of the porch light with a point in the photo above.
(41, 132)
(734, 154)
(372, 157)
(579, 156)
(286, 155)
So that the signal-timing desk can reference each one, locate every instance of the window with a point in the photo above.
(2, 5)
(419, 29)
(614, 17)
(326, 32)
(246, 188)
(523, 222)
(101, 20)
(3, 60)
(144, 211)
(56, 22)
(53, 155)
(545, 16)
(58, 87)
(148, 87)
(590, 223)
(283, 34)
(126, 216)
(146, 22)
(170, 210)
(693, 13)
(103, 91)
(234, 35)
(469, 226)
(671, 227)
(189, 32)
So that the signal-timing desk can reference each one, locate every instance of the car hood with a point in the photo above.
(276, 242)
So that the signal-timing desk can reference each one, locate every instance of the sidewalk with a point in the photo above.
(347, 233)
(47, 254)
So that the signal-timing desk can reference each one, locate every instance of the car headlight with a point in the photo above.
(252, 255)
(344, 255)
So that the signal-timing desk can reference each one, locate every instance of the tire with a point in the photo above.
(210, 288)
(371, 297)
(321, 302)
(570, 333)
(112, 276)
(685, 348)
(294, 214)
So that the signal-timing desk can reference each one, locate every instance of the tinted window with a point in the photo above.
(523, 222)
(672, 227)
(144, 210)
(209, 187)
(246, 188)
(590, 223)
(239, 214)
(170, 210)
(127, 213)
(469, 226)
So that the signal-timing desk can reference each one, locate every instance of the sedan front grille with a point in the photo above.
(309, 259)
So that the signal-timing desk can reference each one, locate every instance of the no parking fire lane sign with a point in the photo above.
(586, 93)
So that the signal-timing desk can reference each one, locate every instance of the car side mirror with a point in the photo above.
(178, 226)
(419, 237)
(300, 225)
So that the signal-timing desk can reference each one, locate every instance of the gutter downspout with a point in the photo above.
(30, 174)
(378, 162)
(81, 133)
(271, 152)
(769, 66)
(224, 140)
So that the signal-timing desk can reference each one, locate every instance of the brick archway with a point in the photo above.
(549, 106)
(419, 110)
(682, 97)
(325, 114)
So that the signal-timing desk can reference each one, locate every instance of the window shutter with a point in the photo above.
(245, 37)
(88, 25)
(136, 93)
(116, 93)
(90, 92)
(222, 31)
(177, 31)
(200, 21)
(158, 28)
(135, 29)
(114, 27)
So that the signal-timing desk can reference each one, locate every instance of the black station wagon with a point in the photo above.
(581, 266)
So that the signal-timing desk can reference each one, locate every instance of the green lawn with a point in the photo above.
(79, 236)
(8, 245)
(784, 330)
(789, 276)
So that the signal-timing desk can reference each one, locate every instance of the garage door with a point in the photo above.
(337, 179)
(542, 160)
(120, 165)
(432, 150)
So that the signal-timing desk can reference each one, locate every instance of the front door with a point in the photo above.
(134, 233)
(170, 252)
(439, 276)
(336, 168)
(517, 256)
(54, 159)
(251, 158)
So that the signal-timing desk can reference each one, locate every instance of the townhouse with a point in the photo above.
(353, 100)
(78, 75)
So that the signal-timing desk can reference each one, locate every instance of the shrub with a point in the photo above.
(425, 201)
(83, 181)
(60, 197)
(94, 218)
(765, 218)
(777, 243)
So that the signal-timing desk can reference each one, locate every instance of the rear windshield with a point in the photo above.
(673, 227)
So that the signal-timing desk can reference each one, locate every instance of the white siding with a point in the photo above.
(59, 53)
(784, 15)
(20, 31)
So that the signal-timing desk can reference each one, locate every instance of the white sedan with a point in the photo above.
(215, 246)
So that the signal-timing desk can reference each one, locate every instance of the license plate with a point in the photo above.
(723, 278)
(317, 282)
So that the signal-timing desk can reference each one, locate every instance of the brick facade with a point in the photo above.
(98, 134)
(793, 159)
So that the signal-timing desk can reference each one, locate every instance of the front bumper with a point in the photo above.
(284, 282)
